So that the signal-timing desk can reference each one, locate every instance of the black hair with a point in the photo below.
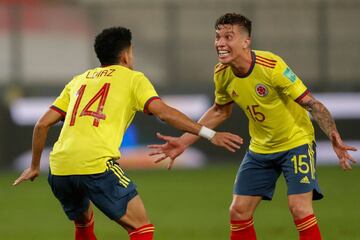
(234, 19)
(110, 43)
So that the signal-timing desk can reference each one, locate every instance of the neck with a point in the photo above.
(241, 66)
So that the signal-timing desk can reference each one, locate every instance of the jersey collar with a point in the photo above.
(253, 57)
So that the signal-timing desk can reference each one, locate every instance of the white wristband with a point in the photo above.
(206, 133)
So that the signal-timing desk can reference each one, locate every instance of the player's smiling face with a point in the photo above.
(230, 43)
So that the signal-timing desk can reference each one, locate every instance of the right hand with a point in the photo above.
(27, 174)
(227, 140)
(172, 148)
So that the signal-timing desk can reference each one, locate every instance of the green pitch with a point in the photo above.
(184, 205)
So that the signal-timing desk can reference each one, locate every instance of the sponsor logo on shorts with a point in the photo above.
(305, 180)
(261, 90)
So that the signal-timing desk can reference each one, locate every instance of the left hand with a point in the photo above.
(341, 150)
(28, 174)
(172, 148)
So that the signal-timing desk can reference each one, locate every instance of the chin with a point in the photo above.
(224, 61)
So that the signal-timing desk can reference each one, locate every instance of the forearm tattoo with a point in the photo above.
(322, 116)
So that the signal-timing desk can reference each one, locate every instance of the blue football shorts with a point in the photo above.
(258, 173)
(110, 192)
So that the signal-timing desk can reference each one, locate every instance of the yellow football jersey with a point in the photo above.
(267, 94)
(98, 106)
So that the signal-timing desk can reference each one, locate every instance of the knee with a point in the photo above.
(299, 211)
(239, 211)
(84, 218)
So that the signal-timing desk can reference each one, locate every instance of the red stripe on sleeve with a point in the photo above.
(58, 110)
(146, 110)
(302, 95)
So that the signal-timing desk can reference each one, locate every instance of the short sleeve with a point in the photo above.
(285, 80)
(61, 103)
(144, 92)
(221, 95)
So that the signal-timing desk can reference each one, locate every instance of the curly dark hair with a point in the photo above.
(110, 42)
(234, 19)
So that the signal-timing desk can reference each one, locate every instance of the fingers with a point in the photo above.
(350, 148)
(229, 141)
(156, 152)
(345, 165)
(233, 145)
(346, 162)
(230, 149)
(155, 146)
(352, 160)
(345, 159)
(171, 164)
(163, 137)
(18, 181)
(159, 159)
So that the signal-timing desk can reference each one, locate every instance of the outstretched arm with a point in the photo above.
(212, 118)
(327, 124)
(175, 146)
(39, 138)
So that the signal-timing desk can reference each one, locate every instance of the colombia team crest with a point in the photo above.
(261, 90)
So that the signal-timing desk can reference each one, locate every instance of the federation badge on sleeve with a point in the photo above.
(261, 90)
(289, 74)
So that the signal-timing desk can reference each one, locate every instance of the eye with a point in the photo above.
(228, 37)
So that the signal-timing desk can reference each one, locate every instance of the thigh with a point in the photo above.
(299, 168)
(71, 196)
(257, 176)
(110, 191)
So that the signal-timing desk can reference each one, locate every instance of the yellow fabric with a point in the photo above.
(88, 139)
(276, 122)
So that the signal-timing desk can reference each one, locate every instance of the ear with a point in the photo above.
(247, 42)
(124, 57)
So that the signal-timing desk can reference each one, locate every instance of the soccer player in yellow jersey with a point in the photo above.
(277, 104)
(97, 106)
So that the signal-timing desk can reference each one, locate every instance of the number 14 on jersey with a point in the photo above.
(98, 114)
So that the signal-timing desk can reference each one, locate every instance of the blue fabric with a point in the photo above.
(258, 173)
(105, 190)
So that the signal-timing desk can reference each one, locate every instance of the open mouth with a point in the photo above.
(223, 53)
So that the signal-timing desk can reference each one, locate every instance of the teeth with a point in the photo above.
(223, 53)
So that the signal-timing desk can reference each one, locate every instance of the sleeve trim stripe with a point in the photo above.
(220, 68)
(56, 109)
(148, 103)
(302, 95)
(228, 103)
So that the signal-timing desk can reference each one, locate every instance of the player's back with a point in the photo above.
(101, 104)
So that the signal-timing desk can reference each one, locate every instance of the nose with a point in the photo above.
(219, 42)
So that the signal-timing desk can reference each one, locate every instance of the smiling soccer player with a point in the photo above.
(276, 103)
